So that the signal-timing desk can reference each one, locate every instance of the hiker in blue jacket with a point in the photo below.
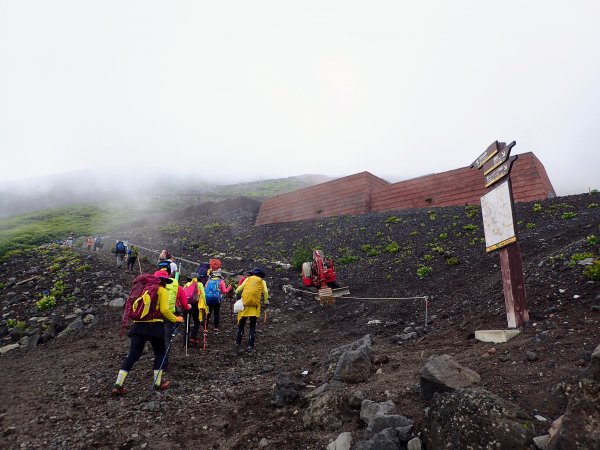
(214, 291)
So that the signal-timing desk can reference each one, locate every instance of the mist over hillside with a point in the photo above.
(91, 186)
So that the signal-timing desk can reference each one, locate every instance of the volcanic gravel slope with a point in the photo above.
(57, 395)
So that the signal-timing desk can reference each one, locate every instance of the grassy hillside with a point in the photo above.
(268, 188)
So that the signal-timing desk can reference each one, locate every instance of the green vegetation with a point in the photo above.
(392, 247)
(592, 239)
(452, 261)
(413, 233)
(592, 205)
(423, 271)
(14, 323)
(46, 302)
(432, 214)
(393, 219)
(301, 254)
(344, 260)
(428, 257)
(576, 257)
(530, 226)
(265, 188)
(58, 289)
(594, 192)
(593, 272)
(568, 215)
(443, 235)
(471, 211)
(470, 227)
(537, 208)
(83, 268)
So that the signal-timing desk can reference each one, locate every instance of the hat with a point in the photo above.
(216, 273)
(164, 276)
(258, 271)
(194, 275)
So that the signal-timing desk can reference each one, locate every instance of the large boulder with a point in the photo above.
(354, 366)
(286, 390)
(332, 366)
(382, 422)
(325, 411)
(442, 373)
(370, 409)
(388, 439)
(475, 418)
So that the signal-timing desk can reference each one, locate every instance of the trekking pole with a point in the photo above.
(205, 332)
(187, 331)
(175, 329)
(139, 264)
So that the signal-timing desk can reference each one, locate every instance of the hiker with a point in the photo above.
(196, 297)
(97, 243)
(243, 277)
(252, 289)
(214, 290)
(120, 251)
(166, 260)
(177, 303)
(149, 328)
(89, 243)
(132, 254)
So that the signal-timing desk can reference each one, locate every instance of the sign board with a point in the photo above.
(485, 156)
(499, 172)
(498, 221)
(499, 158)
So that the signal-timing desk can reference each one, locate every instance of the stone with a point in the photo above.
(442, 373)
(286, 390)
(414, 444)
(541, 442)
(475, 418)
(342, 442)
(370, 409)
(381, 422)
(8, 348)
(354, 366)
(325, 412)
(355, 399)
(117, 303)
(388, 439)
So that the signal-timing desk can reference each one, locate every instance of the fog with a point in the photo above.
(146, 92)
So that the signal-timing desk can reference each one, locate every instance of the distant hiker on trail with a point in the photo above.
(132, 255)
(147, 312)
(177, 301)
(252, 289)
(194, 291)
(120, 251)
(97, 243)
(214, 290)
(166, 260)
(89, 243)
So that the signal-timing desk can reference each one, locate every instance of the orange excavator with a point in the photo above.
(320, 274)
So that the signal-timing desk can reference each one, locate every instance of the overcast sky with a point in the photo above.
(239, 91)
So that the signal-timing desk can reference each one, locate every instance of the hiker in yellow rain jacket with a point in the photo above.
(199, 308)
(252, 289)
(149, 329)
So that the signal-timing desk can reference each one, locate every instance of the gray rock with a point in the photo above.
(263, 443)
(343, 442)
(286, 390)
(541, 442)
(370, 409)
(531, 356)
(475, 418)
(355, 399)
(414, 444)
(408, 336)
(74, 326)
(8, 348)
(443, 374)
(89, 319)
(388, 439)
(354, 366)
(117, 302)
(381, 422)
(325, 412)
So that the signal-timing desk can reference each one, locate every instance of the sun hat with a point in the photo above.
(163, 275)
(258, 271)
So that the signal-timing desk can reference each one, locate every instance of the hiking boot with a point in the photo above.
(118, 390)
(249, 349)
(162, 386)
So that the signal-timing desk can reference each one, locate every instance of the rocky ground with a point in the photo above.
(59, 363)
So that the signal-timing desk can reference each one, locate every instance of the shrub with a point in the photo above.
(379, 234)
(58, 289)
(393, 219)
(2, 285)
(14, 323)
(413, 233)
(54, 267)
(347, 259)
(452, 261)
(423, 271)
(428, 257)
(592, 205)
(46, 302)
(83, 268)
(470, 227)
(537, 208)
(594, 192)
(592, 239)
(302, 254)
(366, 247)
(530, 226)
(392, 247)
(576, 257)
(471, 210)
(593, 272)
(432, 215)
(443, 235)
(568, 215)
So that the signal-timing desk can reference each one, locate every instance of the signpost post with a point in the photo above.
(499, 227)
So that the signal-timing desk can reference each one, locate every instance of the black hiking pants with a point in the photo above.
(214, 309)
(136, 348)
(194, 313)
(240, 333)
(131, 262)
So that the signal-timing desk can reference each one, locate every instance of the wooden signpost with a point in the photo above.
(498, 221)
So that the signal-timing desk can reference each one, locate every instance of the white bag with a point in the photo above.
(238, 306)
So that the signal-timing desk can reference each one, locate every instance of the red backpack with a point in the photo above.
(142, 303)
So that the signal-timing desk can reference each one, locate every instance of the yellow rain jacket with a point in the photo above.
(202, 307)
(252, 290)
